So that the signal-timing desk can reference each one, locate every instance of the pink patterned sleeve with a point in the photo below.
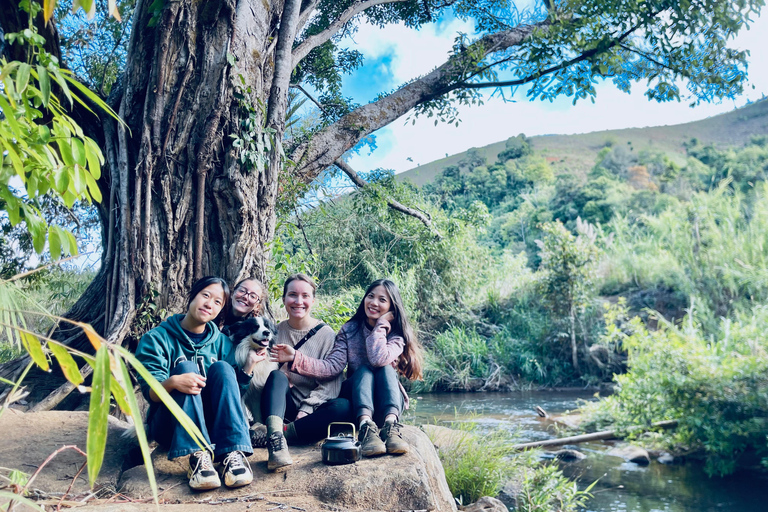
(383, 350)
(329, 367)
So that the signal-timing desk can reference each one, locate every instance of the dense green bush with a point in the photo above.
(716, 388)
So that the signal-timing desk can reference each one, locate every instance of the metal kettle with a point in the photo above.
(341, 449)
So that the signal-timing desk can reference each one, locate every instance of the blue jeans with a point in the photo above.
(276, 400)
(216, 411)
(374, 392)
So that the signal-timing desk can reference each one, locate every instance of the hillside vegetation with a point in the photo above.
(577, 153)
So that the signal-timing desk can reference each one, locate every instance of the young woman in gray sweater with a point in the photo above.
(375, 345)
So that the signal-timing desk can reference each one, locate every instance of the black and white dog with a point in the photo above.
(259, 334)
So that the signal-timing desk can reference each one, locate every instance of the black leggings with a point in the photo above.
(276, 400)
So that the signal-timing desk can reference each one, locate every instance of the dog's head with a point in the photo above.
(260, 332)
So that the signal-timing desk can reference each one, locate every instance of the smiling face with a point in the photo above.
(298, 299)
(376, 304)
(246, 298)
(206, 305)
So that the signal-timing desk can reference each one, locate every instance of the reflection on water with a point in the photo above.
(621, 486)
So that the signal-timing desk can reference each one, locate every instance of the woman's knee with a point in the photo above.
(221, 370)
(183, 367)
(276, 379)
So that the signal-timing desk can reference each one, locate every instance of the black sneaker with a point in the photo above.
(373, 446)
(202, 476)
(236, 470)
(393, 438)
(279, 457)
(259, 436)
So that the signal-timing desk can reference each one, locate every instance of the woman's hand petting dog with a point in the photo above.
(254, 358)
(189, 383)
(282, 353)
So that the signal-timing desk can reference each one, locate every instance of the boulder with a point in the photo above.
(414, 481)
(486, 504)
(666, 458)
(631, 453)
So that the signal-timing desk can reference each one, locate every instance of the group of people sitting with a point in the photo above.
(194, 362)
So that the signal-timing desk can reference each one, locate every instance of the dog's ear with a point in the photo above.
(269, 324)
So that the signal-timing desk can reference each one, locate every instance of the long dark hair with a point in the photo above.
(410, 361)
(203, 283)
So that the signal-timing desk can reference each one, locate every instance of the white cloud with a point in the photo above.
(414, 53)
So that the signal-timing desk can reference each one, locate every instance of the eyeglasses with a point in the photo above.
(252, 296)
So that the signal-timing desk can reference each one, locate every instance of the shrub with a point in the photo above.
(478, 465)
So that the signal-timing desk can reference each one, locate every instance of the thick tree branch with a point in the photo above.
(333, 141)
(278, 94)
(316, 40)
(395, 205)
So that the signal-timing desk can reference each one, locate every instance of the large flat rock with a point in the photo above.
(415, 481)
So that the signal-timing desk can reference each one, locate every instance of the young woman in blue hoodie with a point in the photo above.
(195, 363)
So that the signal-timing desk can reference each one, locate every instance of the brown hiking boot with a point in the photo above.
(393, 438)
(279, 457)
(373, 446)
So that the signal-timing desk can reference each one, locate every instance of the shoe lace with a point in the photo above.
(369, 430)
(204, 462)
(394, 429)
(276, 441)
(234, 460)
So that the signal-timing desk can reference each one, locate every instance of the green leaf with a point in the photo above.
(10, 116)
(36, 227)
(12, 206)
(79, 179)
(63, 84)
(22, 77)
(18, 166)
(71, 243)
(61, 179)
(67, 364)
(93, 187)
(65, 150)
(98, 414)
(34, 349)
(45, 84)
(94, 156)
(135, 412)
(54, 243)
(78, 152)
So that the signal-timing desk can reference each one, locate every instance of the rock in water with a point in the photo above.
(486, 504)
(567, 455)
(631, 453)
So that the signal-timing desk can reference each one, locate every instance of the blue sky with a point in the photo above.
(397, 54)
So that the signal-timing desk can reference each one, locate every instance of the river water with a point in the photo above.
(621, 486)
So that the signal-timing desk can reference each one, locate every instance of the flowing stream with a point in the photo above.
(621, 486)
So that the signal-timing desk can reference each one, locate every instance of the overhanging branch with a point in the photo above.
(395, 205)
(316, 40)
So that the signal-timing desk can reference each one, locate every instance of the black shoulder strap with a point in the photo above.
(307, 336)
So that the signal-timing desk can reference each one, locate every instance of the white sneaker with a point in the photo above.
(236, 470)
(202, 476)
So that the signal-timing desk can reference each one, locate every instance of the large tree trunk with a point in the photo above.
(179, 206)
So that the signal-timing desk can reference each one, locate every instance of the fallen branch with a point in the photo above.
(595, 436)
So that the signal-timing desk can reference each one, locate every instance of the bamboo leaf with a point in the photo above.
(67, 363)
(13, 497)
(35, 349)
(93, 337)
(138, 422)
(48, 7)
(62, 83)
(10, 116)
(112, 10)
(121, 396)
(98, 414)
(169, 402)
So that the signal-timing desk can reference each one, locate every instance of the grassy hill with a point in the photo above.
(577, 153)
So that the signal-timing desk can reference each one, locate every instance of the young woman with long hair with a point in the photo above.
(375, 344)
